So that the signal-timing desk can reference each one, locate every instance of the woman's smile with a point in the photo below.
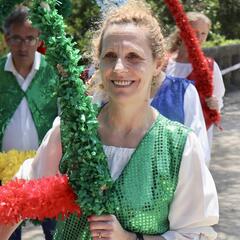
(122, 83)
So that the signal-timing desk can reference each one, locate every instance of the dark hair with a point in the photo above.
(18, 16)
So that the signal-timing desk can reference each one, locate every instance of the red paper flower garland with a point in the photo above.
(203, 75)
(49, 197)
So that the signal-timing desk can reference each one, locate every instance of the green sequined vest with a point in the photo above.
(40, 95)
(142, 195)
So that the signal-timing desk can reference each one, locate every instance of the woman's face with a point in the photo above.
(201, 29)
(127, 65)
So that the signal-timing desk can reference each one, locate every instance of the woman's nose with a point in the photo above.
(198, 35)
(119, 66)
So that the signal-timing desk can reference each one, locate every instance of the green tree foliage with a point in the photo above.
(3, 46)
(86, 13)
(208, 7)
(81, 23)
(64, 7)
(229, 17)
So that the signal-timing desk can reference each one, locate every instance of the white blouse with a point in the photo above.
(195, 205)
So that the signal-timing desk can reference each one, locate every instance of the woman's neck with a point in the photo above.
(125, 124)
(128, 116)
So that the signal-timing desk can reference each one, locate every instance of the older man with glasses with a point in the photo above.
(28, 103)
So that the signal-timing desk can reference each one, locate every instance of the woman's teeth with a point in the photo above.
(122, 83)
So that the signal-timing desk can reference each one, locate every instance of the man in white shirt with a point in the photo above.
(28, 103)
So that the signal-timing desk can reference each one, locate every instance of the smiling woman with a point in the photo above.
(125, 55)
(151, 159)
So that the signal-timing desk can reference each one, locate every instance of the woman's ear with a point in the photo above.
(159, 65)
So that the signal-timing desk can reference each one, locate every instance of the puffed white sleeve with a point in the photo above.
(218, 85)
(195, 205)
(47, 158)
(194, 119)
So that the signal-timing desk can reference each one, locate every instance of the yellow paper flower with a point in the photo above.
(11, 161)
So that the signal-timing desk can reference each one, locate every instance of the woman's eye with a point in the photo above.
(110, 55)
(133, 56)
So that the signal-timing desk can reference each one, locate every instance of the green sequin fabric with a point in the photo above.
(41, 97)
(142, 195)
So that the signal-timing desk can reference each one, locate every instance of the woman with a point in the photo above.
(160, 189)
(179, 65)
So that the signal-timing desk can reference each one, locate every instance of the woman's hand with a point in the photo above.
(212, 103)
(107, 227)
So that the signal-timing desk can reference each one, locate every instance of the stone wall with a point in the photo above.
(227, 56)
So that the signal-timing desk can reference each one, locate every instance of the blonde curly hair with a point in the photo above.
(138, 13)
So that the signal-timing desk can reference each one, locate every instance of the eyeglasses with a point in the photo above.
(29, 41)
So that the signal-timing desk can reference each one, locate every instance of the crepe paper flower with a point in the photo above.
(49, 197)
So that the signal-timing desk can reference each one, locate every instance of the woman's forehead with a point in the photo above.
(126, 34)
(199, 23)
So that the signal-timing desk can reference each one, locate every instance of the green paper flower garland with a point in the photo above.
(83, 158)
